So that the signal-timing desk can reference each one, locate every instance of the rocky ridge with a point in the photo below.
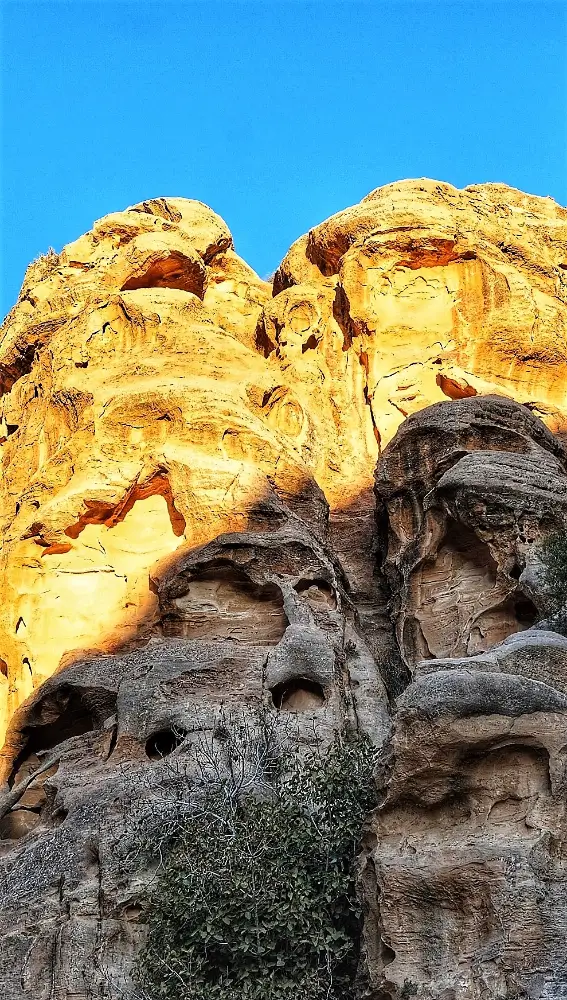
(323, 497)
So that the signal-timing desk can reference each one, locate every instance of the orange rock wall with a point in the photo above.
(156, 392)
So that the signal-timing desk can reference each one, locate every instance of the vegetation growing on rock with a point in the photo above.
(553, 553)
(256, 896)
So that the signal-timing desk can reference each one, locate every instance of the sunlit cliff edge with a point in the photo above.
(200, 467)
(154, 388)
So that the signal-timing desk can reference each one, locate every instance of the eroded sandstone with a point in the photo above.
(464, 865)
(192, 533)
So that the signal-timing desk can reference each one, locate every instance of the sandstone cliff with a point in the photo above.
(324, 497)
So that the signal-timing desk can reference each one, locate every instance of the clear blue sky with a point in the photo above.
(277, 114)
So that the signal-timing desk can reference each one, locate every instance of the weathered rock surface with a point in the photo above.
(465, 492)
(465, 864)
(189, 530)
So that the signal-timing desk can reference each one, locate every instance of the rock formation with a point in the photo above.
(190, 526)
(465, 492)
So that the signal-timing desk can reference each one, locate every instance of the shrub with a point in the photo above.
(553, 554)
(256, 897)
(38, 269)
(45, 264)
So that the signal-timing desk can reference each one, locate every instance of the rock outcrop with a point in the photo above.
(465, 492)
(190, 528)
(465, 865)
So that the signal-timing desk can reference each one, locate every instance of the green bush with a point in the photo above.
(553, 553)
(256, 897)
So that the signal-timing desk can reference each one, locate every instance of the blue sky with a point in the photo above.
(277, 114)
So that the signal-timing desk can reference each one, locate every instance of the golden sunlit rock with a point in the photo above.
(313, 497)
(154, 389)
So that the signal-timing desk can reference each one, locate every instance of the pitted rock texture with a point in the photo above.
(156, 392)
(464, 866)
(251, 622)
(464, 495)
(190, 533)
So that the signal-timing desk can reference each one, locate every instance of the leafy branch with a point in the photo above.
(255, 897)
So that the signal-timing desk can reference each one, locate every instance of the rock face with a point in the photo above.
(465, 492)
(190, 530)
(465, 865)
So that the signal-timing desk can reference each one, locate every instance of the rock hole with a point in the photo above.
(92, 856)
(59, 815)
(310, 344)
(317, 593)
(101, 512)
(461, 576)
(34, 806)
(69, 711)
(3, 668)
(341, 313)
(525, 611)
(262, 341)
(113, 740)
(298, 695)
(75, 721)
(221, 602)
(81, 364)
(173, 271)
(164, 742)
(515, 772)
(387, 954)
(9, 374)
(515, 572)
(18, 823)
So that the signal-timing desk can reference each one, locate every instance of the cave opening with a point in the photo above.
(76, 720)
(220, 601)
(174, 270)
(68, 712)
(164, 742)
(317, 592)
(298, 695)
(525, 611)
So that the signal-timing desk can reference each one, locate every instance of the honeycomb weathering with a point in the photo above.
(324, 498)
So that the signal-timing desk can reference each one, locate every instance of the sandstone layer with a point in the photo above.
(323, 497)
